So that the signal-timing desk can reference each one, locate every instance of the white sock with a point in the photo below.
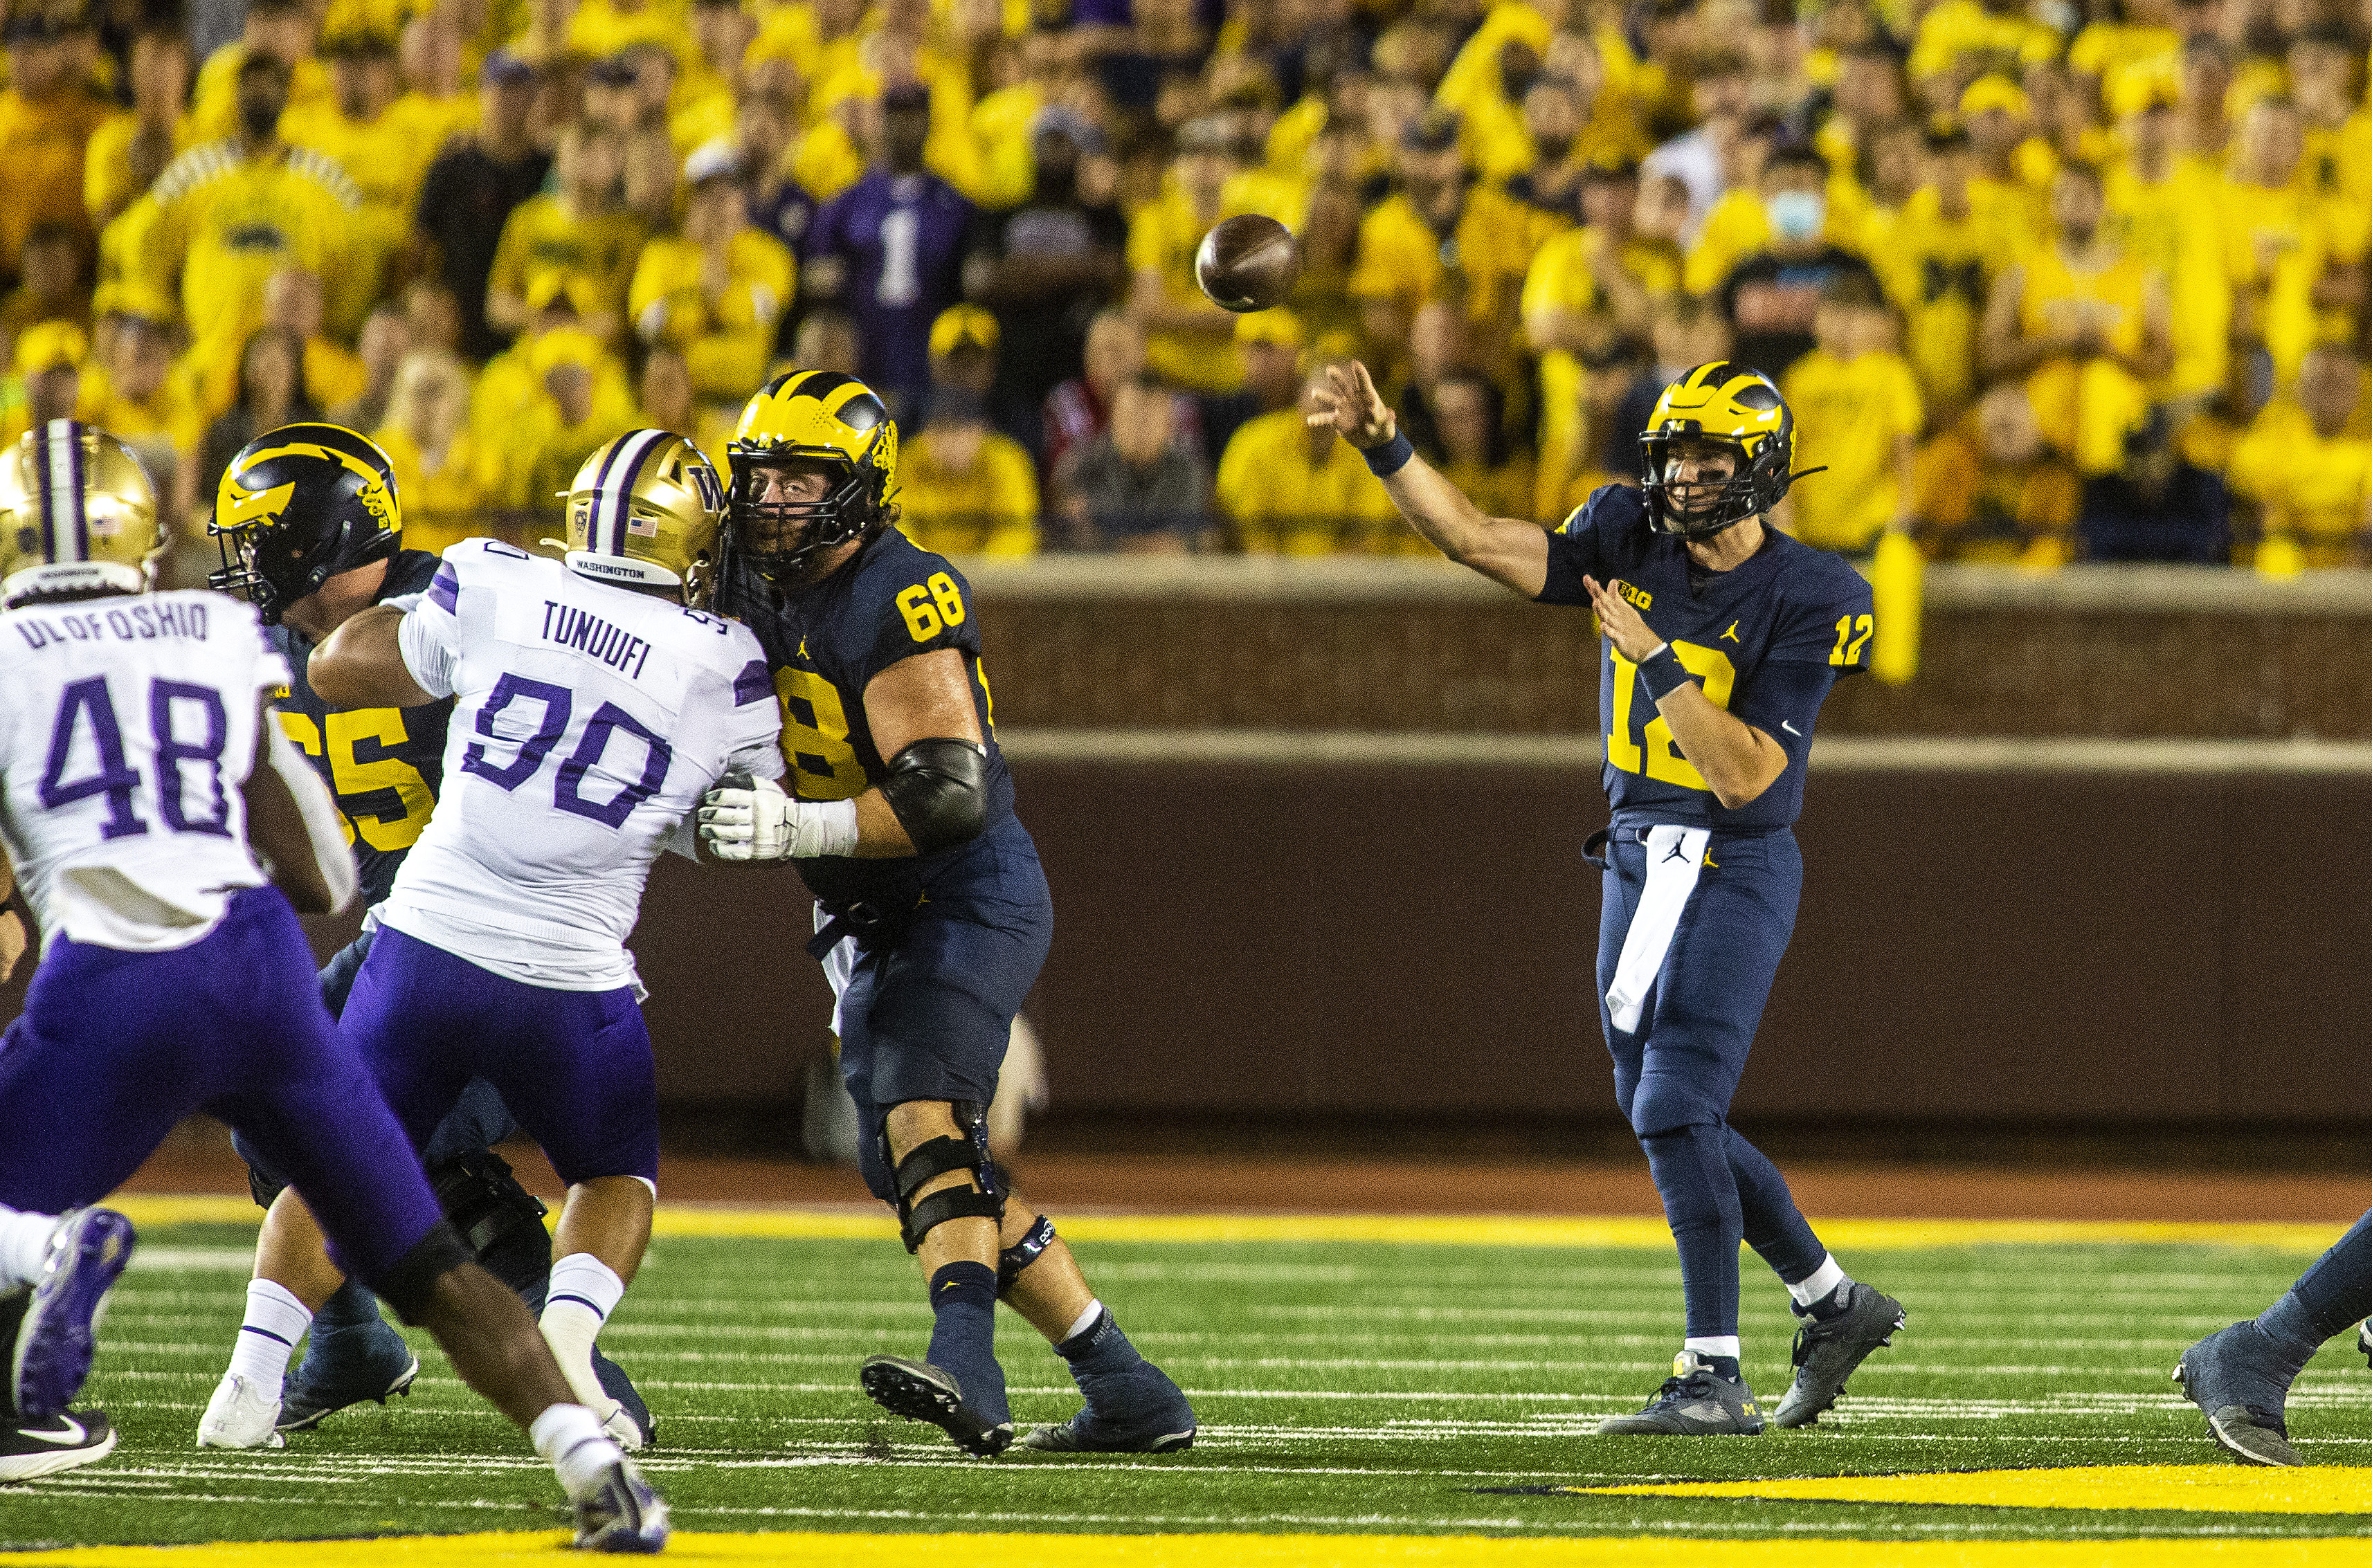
(1822, 1284)
(24, 1245)
(1712, 1344)
(275, 1321)
(570, 1438)
(1086, 1320)
(584, 1292)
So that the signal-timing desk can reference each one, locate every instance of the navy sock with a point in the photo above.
(2337, 1291)
(349, 1307)
(1692, 1171)
(1099, 1347)
(1775, 1228)
(1725, 1365)
(963, 1336)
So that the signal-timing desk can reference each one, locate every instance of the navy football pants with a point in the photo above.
(1674, 1077)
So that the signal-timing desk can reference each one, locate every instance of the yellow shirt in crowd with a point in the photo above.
(545, 252)
(1484, 256)
(2085, 407)
(2316, 488)
(727, 345)
(1849, 413)
(1283, 500)
(1162, 237)
(987, 509)
(1938, 271)
(440, 505)
(107, 181)
(44, 145)
(213, 105)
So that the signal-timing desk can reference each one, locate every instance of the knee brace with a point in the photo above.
(1022, 1253)
(934, 1157)
(483, 1201)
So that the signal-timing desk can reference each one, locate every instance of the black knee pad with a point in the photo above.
(407, 1285)
(934, 1157)
(1022, 1253)
(492, 1213)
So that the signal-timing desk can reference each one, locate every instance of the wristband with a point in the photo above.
(1391, 458)
(1663, 673)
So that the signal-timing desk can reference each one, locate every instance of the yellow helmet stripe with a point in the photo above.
(312, 449)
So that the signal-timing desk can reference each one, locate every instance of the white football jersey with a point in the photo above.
(129, 726)
(590, 721)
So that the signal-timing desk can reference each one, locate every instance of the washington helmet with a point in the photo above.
(644, 513)
(822, 418)
(299, 505)
(77, 515)
(1724, 405)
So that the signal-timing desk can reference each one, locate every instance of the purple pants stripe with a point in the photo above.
(114, 1048)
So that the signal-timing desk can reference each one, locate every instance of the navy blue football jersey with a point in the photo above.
(384, 765)
(1766, 640)
(824, 643)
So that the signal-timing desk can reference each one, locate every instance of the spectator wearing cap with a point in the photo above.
(964, 342)
(427, 439)
(131, 148)
(507, 396)
(49, 362)
(1140, 487)
(473, 188)
(1770, 297)
(962, 488)
(1044, 269)
(227, 214)
(715, 292)
(889, 250)
(283, 29)
(1272, 344)
(1286, 488)
(704, 109)
(2158, 507)
(1444, 236)
(1189, 341)
(2013, 166)
(47, 116)
(579, 243)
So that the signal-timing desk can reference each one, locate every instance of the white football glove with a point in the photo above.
(747, 818)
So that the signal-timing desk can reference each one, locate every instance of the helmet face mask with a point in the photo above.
(296, 506)
(1717, 452)
(831, 431)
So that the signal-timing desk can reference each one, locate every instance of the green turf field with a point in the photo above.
(1342, 1387)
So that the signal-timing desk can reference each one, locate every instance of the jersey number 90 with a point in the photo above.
(557, 702)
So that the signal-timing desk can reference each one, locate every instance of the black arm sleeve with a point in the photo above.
(938, 791)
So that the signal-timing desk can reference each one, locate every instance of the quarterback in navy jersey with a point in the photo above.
(1721, 636)
(311, 528)
(932, 915)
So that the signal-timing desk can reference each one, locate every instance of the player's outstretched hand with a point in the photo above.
(1632, 636)
(745, 819)
(14, 940)
(1348, 404)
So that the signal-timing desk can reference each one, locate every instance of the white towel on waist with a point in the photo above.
(1675, 857)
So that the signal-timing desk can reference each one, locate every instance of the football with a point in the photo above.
(1247, 264)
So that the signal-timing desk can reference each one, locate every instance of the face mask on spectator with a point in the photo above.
(1797, 215)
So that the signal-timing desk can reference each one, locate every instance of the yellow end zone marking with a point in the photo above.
(2218, 1489)
(1225, 1551)
(792, 1224)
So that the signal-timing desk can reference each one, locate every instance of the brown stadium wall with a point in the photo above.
(1314, 834)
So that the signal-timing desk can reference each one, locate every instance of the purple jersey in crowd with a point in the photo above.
(903, 240)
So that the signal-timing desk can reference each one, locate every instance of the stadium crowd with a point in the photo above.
(2040, 282)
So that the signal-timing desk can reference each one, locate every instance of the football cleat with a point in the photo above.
(2233, 1377)
(621, 1387)
(1827, 1349)
(345, 1367)
(1133, 1409)
(2364, 1340)
(58, 1337)
(241, 1415)
(920, 1391)
(624, 1515)
(1695, 1401)
(65, 1441)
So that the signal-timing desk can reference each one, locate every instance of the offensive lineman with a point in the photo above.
(932, 915)
(311, 529)
(1723, 636)
(143, 790)
(596, 702)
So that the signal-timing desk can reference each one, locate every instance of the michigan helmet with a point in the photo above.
(1727, 405)
(299, 505)
(819, 417)
(643, 512)
(77, 516)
